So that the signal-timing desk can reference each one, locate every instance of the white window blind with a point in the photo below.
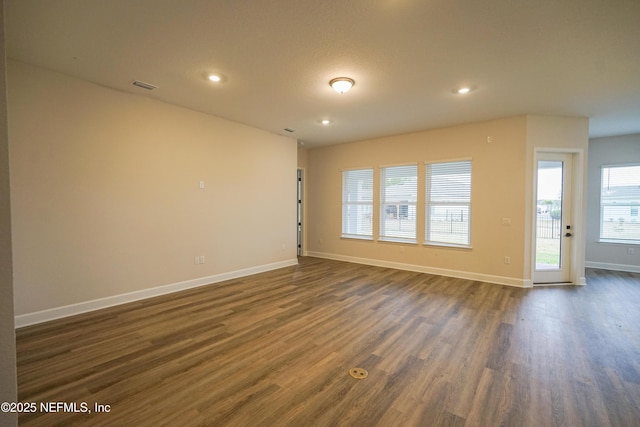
(357, 203)
(398, 194)
(619, 203)
(448, 203)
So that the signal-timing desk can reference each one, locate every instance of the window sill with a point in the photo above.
(354, 237)
(397, 240)
(619, 242)
(447, 245)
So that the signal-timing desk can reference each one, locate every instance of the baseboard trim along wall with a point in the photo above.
(97, 304)
(611, 266)
(499, 280)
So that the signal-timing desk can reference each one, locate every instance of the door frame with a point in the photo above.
(562, 273)
(301, 212)
(577, 218)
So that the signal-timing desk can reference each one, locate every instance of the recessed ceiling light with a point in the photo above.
(463, 90)
(342, 84)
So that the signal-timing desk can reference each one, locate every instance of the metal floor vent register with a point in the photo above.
(358, 373)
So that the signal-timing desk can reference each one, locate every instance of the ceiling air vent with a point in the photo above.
(144, 85)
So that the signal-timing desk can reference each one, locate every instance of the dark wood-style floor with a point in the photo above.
(275, 349)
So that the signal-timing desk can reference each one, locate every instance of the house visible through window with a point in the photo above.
(398, 195)
(619, 203)
(448, 203)
(357, 203)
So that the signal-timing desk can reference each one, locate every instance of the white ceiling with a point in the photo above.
(556, 57)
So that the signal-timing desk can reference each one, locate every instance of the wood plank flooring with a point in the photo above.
(275, 349)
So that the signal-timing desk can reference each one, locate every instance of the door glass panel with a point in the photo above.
(549, 215)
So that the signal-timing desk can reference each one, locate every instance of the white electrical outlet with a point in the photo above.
(196, 260)
(201, 259)
(507, 260)
(631, 251)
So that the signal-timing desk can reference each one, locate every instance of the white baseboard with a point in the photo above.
(97, 304)
(611, 266)
(500, 280)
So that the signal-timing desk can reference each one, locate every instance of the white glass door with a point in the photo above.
(553, 230)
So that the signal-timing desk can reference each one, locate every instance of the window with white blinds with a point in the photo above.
(619, 203)
(448, 203)
(357, 203)
(398, 195)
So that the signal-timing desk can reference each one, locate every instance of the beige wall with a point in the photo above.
(8, 383)
(569, 135)
(497, 192)
(502, 153)
(556, 132)
(303, 158)
(606, 151)
(106, 197)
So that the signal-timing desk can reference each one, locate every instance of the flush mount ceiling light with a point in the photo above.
(325, 122)
(215, 78)
(342, 84)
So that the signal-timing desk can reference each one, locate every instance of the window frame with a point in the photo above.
(429, 203)
(411, 206)
(346, 204)
(601, 206)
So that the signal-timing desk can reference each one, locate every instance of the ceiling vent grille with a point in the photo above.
(144, 85)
